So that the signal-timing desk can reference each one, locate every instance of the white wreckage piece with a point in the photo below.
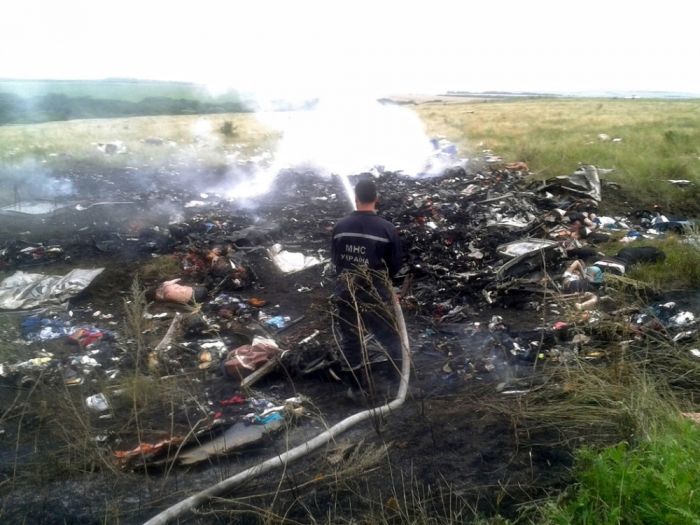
(510, 211)
(528, 253)
(23, 291)
(291, 262)
(110, 148)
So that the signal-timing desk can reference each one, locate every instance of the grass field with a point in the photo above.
(62, 144)
(659, 139)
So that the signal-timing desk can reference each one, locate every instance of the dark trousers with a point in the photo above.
(376, 317)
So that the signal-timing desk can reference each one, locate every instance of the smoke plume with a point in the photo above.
(342, 136)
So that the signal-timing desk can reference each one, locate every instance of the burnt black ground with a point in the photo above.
(445, 443)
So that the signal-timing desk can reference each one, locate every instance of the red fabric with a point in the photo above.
(235, 400)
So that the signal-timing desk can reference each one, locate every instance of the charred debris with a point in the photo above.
(485, 247)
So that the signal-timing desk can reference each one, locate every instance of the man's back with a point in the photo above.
(364, 239)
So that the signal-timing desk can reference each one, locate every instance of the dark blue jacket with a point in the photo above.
(365, 239)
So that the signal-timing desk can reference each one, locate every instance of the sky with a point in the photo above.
(331, 48)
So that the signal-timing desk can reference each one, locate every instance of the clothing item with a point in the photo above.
(365, 239)
(580, 286)
(377, 318)
(366, 252)
(604, 221)
(594, 274)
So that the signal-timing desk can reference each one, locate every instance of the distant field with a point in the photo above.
(190, 142)
(647, 142)
(658, 140)
(128, 90)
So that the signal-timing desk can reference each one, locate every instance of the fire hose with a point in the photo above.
(302, 450)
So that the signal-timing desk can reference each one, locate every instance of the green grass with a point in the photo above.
(660, 139)
(680, 270)
(650, 483)
(637, 460)
(71, 141)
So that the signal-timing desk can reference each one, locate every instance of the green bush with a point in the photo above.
(227, 129)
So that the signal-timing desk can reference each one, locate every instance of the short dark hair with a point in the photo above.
(366, 191)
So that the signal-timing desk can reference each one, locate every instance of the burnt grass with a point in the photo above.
(445, 448)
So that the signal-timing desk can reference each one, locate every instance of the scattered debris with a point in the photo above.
(483, 242)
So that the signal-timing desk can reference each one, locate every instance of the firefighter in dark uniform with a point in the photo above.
(366, 252)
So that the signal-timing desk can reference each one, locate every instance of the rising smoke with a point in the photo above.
(343, 136)
(29, 180)
(349, 136)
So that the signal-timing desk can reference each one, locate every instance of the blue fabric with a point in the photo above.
(596, 273)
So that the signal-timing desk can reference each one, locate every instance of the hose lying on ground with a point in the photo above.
(302, 450)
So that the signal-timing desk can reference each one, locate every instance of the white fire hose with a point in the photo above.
(302, 450)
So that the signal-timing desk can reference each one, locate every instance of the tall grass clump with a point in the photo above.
(651, 483)
(637, 462)
(135, 322)
(162, 268)
(679, 271)
(595, 403)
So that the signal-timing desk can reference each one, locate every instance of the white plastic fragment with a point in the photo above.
(213, 344)
(290, 262)
(97, 403)
(682, 319)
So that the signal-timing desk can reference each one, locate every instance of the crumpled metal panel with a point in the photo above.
(584, 182)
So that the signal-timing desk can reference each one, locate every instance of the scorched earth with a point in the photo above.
(158, 399)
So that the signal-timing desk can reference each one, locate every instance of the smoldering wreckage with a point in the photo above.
(248, 319)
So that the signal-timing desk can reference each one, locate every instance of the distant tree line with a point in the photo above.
(51, 107)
